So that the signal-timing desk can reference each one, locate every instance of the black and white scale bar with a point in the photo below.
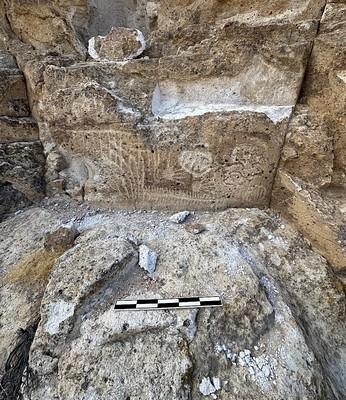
(164, 304)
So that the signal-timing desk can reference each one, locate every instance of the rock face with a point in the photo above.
(262, 344)
(21, 153)
(50, 24)
(172, 105)
(310, 188)
(190, 125)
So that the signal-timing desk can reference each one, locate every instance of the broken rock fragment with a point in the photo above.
(209, 386)
(179, 217)
(120, 44)
(147, 258)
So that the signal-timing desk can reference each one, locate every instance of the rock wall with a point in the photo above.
(310, 187)
(196, 121)
(183, 105)
(21, 153)
(219, 98)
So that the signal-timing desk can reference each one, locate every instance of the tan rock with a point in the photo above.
(310, 189)
(60, 240)
(324, 90)
(49, 25)
(255, 334)
(308, 153)
(203, 141)
(120, 44)
(315, 217)
(18, 129)
(195, 228)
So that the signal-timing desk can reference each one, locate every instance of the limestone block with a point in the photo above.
(324, 89)
(184, 132)
(49, 25)
(212, 169)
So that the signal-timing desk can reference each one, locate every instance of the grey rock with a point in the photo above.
(22, 165)
(179, 217)
(208, 386)
(147, 258)
(25, 266)
(253, 345)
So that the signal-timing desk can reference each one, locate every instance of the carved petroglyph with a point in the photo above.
(142, 175)
(197, 163)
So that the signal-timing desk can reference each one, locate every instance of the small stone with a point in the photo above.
(266, 371)
(195, 228)
(275, 259)
(120, 44)
(60, 240)
(147, 258)
(241, 362)
(179, 217)
(206, 387)
(216, 383)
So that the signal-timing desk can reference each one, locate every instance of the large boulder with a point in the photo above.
(278, 335)
(24, 272)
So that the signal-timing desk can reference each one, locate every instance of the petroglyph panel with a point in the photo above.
(124, 168)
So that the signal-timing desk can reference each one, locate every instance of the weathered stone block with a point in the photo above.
(199, 130)
(49, 24)
(324, 91)
(195, 163)
(308, 151)
(314, 216)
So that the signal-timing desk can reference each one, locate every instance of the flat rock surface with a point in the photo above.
(280, 332)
